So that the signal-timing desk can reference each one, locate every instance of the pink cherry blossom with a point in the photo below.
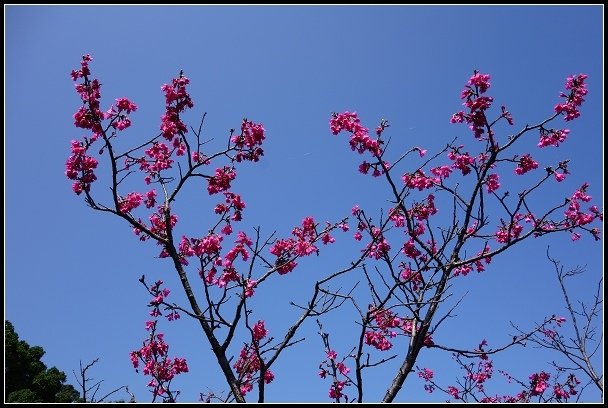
(130, 202)
(574, 99)
(426, 374)
(539, 383)
(492, 183)
(553, 137)
(453, 391)
(462, 162)
(419, 180)
(259, 332)
(525, 164)
(80, 167)
(221, 180)
(248, 143)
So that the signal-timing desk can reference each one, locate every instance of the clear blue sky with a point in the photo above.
(71, 274)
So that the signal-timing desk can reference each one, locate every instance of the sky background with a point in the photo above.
(71, 274)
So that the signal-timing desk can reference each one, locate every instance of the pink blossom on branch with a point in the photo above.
(177, 100)
(574, 99)
(462, 162)
(419, 180)
(525, 164)
(154, 353)
(302, 244)
(426, 374)
(480, 81)
(249, 362)
(248, 143)
(259, 331)
(509, 232)
(379, 247)
(553, 137)
(118, 114)
(477, 85)
(492, 183)
(360, 139)
(130, 202)
(80, 167)
(124, 104)
(453, 391)
(538, 383)
(221, 180)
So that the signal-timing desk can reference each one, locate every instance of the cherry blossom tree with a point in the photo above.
(408, 262)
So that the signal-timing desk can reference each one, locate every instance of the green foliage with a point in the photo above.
(26, 377)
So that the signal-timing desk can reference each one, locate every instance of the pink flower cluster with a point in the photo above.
(360, 140)
(159, 158)
(397, 217)
(379, 247)
(413, 278)
(442, 172)
(385, 321)
(177, 100)
(154, 352)
(409, 249)
(488, 259)
(207, 247)
(238, 249)
(154, 356)
(248, 143)
(559, 391)
(158, 297)
(575, 217)
(427, 375)
(423, 210)
(80, 167)
(385, 324)
(525, 164)
(221, 180)
(419, 180)
(88, 116)
(208, 251)
(462, 162)
(118, 114)
(506, 233)
(84, 70)
(552, 137)
(130, 202)
(453, 391)
(150, 200)
(234, 203)
(539, 383)
(286, 250)
(477, 85)
(483, 372)
(249, 362)
(578, 89)
(335, 369)
(492, 183)
(378, 168)
(158, 226)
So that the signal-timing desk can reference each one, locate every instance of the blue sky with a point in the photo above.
(71, 274)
